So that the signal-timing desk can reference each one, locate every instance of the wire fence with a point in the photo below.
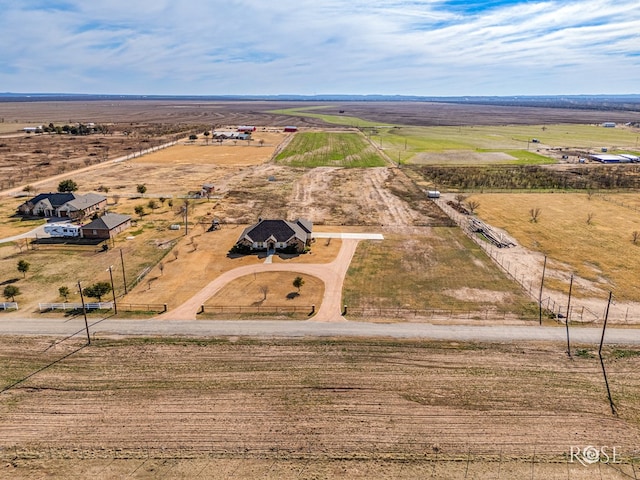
(554, 304)
(8, 306)
(429, 314)
(294, 311)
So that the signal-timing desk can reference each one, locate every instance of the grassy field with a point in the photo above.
(600, 250)
(330, 119)
(437, 269)
(407, 143)
(320, 149)
(310, 408)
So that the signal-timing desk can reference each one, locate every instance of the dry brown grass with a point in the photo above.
(601, 252)
(248, 291)
(193, 269)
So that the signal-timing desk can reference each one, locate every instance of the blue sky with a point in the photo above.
(403, 47)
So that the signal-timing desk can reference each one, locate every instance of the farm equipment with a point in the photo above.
(491, 235)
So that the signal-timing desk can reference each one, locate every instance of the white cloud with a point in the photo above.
(372, 46)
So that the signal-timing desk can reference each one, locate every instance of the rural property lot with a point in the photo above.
(176, 408)
(309, 408)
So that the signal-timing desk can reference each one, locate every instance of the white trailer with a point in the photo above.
(62, 230)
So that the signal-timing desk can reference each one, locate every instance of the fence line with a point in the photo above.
(401, 312)
(125, 307)
(555, 308)
(309, 309)
(75, 306)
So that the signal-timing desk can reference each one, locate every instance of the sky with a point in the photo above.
(315, 47)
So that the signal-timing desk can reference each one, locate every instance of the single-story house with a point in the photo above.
(63, 205)
(277, 235)
(107, 226)
(83, 205)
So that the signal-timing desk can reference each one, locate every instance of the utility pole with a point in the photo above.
(567, 317)
(124, 278)
(604, 372)
(113, 290)
(544, 267)
(186, 217)
(84, 312)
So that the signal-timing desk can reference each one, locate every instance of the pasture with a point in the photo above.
(589, 235)
(466, 144)
(431, 271)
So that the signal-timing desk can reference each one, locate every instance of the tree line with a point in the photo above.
(533, 177)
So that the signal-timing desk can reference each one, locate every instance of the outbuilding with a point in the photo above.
(107, 226)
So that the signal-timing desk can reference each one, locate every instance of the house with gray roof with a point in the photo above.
(272, 235)
(105, 227)
(68, 204)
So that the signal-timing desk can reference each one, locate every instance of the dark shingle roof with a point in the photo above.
(108, 221)
(281, 230)
(56, 199)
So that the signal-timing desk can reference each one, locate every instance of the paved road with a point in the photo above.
(310, 328)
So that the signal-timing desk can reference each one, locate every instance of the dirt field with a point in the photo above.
(173, 408)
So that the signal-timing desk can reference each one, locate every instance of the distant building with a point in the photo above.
(277, 235)
(609, 124)
(231, 135)
(246, 128)
(290, 128)
(608, 158)
(207, 190)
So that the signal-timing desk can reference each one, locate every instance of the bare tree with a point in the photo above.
(473, 206)
(264, 289)
(161, 267)
(460, 198)
(590, 218)
(635, 236)
(534, 213)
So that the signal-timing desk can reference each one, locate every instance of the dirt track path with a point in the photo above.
(62, 176)
(332, 274)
